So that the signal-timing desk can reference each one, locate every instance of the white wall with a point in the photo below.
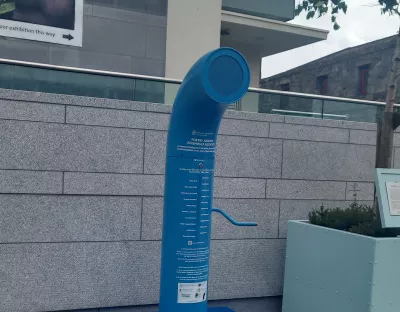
(254, 60)
(193, 29)
(253, 57)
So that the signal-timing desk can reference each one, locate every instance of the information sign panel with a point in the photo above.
(43, 20)
(387, 183)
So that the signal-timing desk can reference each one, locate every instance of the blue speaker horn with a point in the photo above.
(218, 79)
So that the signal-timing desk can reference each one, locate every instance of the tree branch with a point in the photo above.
(318, 8)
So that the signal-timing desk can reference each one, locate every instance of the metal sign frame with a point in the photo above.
(383, 178)
(39, 32)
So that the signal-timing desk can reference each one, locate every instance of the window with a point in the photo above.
(284, 99)
(363, 72)
(322, 84)
(285, 87)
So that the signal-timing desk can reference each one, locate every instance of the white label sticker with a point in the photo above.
(192, 292)
(393, 190)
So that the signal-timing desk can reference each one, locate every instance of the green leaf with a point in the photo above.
(305, 5)
(333, 19)
(345, 8)
(335, 10)
(310, 14)
(336, 26)
(322, 11)
(298, 10)
(356, 218)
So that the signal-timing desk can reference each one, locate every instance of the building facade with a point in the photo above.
(121, 36)
(361, 72)
(165, 37)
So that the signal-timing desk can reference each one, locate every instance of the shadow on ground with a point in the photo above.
(269, 304)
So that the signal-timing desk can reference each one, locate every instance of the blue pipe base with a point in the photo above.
(219, 310)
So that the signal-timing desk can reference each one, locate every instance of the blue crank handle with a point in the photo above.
(232, 220)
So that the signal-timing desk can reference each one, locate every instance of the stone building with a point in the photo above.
(359, 72)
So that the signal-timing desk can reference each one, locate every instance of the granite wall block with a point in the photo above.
(32, 111)
(155, 152)
(244, 128)
(232, 114)
(117, 118)
(248, 157)
(43, 218)
(328, 161)
(363, 191)
(396, 157)
(30, 182)
(330, 123)
(67, 276)
(246, 268)
(299, 132)
(239, 188)
(152, 218)
(305, 189)
(363, 137)
(113, 184)
(44, 146)
(65, 99)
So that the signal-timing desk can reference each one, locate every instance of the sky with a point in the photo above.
(362, 23)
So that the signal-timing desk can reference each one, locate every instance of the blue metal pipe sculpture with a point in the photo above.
(231, 220)
(219, 78)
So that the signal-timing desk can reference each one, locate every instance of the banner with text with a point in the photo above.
(55, 21)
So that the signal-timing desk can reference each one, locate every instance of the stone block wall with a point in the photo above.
(81, 187)
(342, 70)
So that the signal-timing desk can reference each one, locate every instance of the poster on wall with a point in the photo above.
(55, 21)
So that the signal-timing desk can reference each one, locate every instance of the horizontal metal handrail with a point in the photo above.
(177, 81)
(318, 97)
(284, 111)
(89, 71)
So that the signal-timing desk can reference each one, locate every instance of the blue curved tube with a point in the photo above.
(231, 220)
(219, 78)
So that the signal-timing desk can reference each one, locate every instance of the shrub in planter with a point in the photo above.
(342, 260)
(359, 219)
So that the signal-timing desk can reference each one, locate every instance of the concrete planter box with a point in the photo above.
(329, 270)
